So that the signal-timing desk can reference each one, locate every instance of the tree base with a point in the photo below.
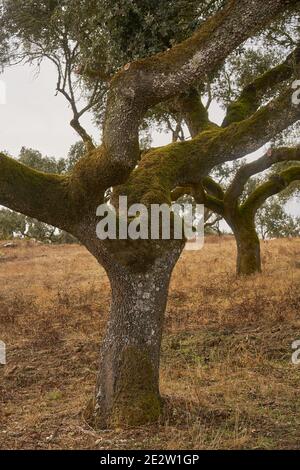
(146, 410)
(135, 401)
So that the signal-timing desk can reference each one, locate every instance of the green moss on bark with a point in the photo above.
(164, 168)
(137, 398)
(41, 195)
(137, 401)
(252, 95)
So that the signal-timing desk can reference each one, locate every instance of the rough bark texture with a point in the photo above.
(163, 76)
(248, 248)
(127, 391)
(248, 255)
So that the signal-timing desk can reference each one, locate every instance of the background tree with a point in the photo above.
(11, 224)
(272, 221)
(127, 391)
(241, 215)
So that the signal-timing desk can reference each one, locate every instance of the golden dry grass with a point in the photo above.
(226, 374)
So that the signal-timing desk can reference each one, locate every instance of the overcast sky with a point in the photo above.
(32, 116)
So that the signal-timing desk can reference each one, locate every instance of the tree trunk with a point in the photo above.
(127, 391)
(248, 250)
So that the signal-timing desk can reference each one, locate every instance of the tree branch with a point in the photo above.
(142, 84)
(195, 114)
(187, 163)
(213, 188)
(211, 202)
(247, 136)
(251, 97)
(275, 185)
(39, 195)
(237, 186)
(217, 219)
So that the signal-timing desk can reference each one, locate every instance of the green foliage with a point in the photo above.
(34, 159)
(98, 36)
(15, 225)
(76, 152)
(12, 224)
(223, 174)
(109, 33)
(46, 233)
(272, 221)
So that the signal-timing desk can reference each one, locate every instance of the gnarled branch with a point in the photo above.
(147, 82)
(251, 97)
(275, 185)
(237, 186)
(39, 195)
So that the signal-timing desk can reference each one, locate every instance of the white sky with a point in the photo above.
(32, 116)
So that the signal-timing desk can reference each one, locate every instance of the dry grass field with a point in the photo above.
(226, 375)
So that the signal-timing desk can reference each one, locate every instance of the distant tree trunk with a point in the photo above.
(127, 391)
(248, 247)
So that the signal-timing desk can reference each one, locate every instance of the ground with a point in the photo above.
(227, 376)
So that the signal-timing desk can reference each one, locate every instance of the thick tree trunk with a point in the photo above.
(127, 391)
(248, 249)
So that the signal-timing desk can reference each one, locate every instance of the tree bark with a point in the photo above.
(248, 249)
(127, 390)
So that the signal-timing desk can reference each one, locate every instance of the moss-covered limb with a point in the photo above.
(135, 89)
(213, 188)
(179, 164)
(61, 201)
(187, 163)
(238, 139)
(251, 97)
(94, 173)
(214, 204)
(290, 175)
(142, 84)
(247, 136)
(273, 156)
(211, 202)
(274, 185)
(192, 109)
(40, 195)
(207, 184)
(181, 191)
